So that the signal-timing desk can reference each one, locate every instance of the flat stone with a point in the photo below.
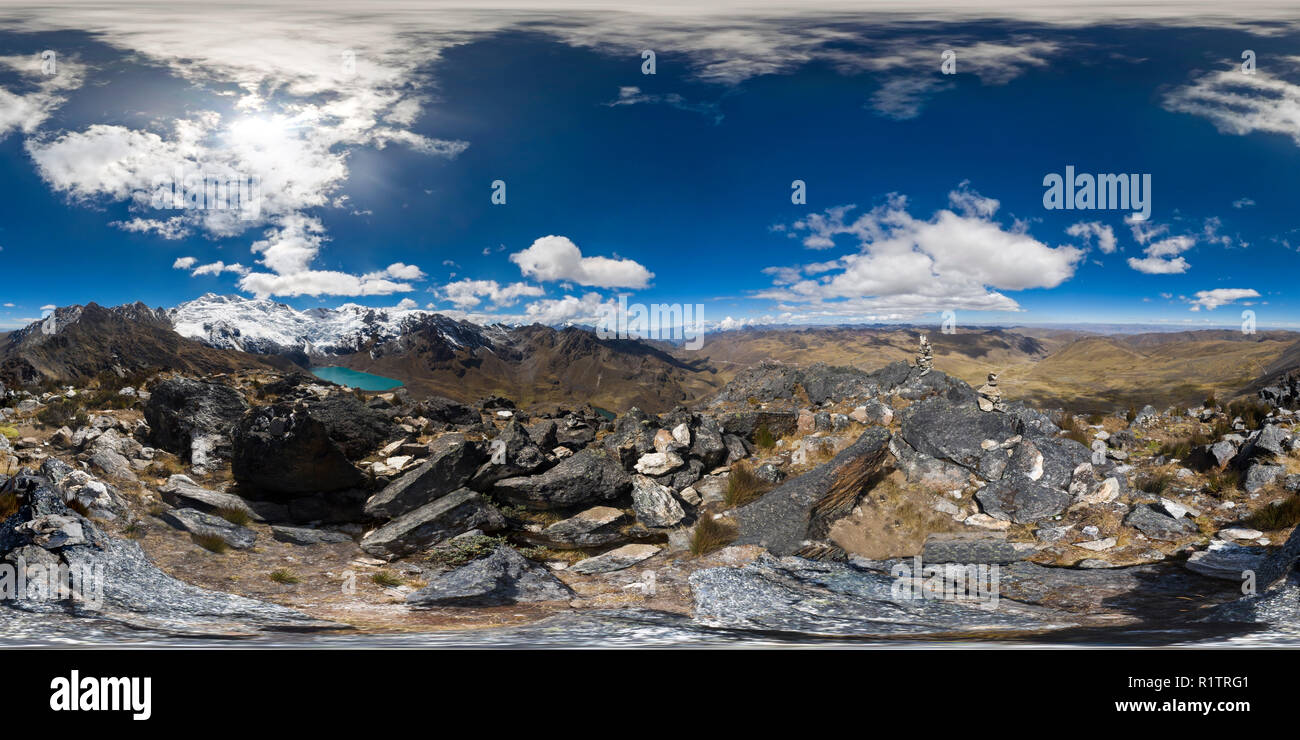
(968, 547)
(1240, 533)
(624, 557)
(307, 536)
(1225, 560)
(1098, 545)
(203, 524)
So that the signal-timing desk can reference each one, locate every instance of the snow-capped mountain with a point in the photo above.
(265, 327)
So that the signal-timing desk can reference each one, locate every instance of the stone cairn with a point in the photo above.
(925, 358)
(990, 397)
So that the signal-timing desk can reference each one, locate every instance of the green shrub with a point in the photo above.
(211, 543)
(763, 437)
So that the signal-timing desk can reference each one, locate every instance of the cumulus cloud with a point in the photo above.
(1212, 299)
(589, 309)
(1089, 230)
(907, 266)
(467, 293)
(557, 258)
(183, 263)
(1164, 257)
(218, 267)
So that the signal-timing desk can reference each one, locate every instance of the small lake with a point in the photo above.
(355, 378)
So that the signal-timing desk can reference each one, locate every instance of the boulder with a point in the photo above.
(623, 557)
(445, 410)
(193, 418)
(1158, 525)
(654, 504)
(792, 517)
(451, 463)
(658, 463)
(136, 594)
(1021, 501)
(1259, 475)
(584, 478)
(796, 596)
(283, 449)
(202, 524)
(1225, 561)
(942, 429)
(442, 519)
(183, 492)
(504, 577)
(595, 527)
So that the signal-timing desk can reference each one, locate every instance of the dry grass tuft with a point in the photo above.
(743, 486)
(711, 535)
(1276, 516)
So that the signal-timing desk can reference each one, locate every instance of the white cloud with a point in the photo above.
(557, 258)
(1164, 257)
(398, 271)
(218, 267)
(1212, 299)
(569, 309)
(906, 266)
(467, 293)
(1241, 104)
(27, 111)
(1089, 230)
(1243, 203)
(183, 263)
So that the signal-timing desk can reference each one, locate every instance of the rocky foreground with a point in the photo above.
(795, 502)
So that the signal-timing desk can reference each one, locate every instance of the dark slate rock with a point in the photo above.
(202, 524)
(587, 477)
(595, 527)
(792, 517)
(947, 431)
(283, 449)
(510, 455)
(708, 445)
(181, 409)
(307, 536)
(1157, 525)
(446, 411)
(451, 515)
(1021, 500)
(451, 463)
(504, 577)
(745, 424)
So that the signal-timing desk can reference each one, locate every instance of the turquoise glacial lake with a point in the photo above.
(355, 378)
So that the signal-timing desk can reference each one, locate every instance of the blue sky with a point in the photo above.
(376, 143)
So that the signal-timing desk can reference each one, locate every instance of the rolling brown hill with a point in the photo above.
(538, 365)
